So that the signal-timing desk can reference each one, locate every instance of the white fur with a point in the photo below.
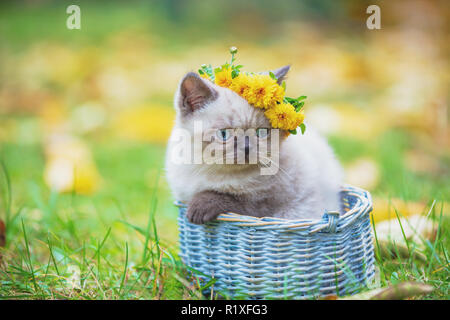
(306, 184)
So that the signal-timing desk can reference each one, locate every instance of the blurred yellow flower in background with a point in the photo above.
(53, 113)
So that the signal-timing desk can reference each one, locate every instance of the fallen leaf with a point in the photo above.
(151, 123)
(389, 250)
(413, 228)
(394, 292)
(70, 165)
(384, 209)
(391, 237)
(330, 297)
(403, 290)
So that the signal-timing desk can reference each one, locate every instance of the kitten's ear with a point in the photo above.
(280, 73)
(194, 93)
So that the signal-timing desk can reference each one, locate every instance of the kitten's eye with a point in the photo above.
(224, 134)
(262, 132)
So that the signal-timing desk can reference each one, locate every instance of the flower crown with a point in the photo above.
(261, 91)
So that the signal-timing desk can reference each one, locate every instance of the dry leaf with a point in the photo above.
(150, 123)
(403, 290)
(390, 250)
(415, 228)
(391, 236)
(384, 209)
(394, 292)
(330, 297)
(70, 165)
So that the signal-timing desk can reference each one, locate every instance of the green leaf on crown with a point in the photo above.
(303, 128)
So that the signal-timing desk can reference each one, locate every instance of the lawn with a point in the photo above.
(121, 243)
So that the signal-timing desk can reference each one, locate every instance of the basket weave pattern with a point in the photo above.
(270, 258)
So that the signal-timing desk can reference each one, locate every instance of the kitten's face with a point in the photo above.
(229, 124)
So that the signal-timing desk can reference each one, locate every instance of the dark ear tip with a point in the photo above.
(281, 73)
(286, 68)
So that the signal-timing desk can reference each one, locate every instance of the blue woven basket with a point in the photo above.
(269, 258)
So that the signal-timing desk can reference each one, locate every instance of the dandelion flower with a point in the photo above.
(261, 91)
(264, 91)
(241, 84)
(283, 116)
(223, 78)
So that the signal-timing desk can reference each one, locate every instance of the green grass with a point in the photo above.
(110, 238)
(122, 241)
(424, 261)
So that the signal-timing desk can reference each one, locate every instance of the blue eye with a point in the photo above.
(223, 134)
(262, 132)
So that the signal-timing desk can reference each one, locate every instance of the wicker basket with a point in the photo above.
(269, 258)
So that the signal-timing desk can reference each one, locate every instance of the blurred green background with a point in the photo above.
(85, 114)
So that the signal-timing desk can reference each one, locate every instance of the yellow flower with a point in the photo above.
(300, 118)
(223, 78)
(264, 91)
(241, 84)
(283, 116)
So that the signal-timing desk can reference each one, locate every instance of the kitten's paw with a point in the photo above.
(207, 205)
(199, 214)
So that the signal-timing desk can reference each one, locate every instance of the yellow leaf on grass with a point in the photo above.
(412, 228)
(385, 209)
(69, 166)
(146, 123)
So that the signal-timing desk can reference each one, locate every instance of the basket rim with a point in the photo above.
(329, 220)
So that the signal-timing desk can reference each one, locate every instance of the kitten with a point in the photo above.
(305, 184)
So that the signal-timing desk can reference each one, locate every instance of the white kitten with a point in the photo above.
(306, 184)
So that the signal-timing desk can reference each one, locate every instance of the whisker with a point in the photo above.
(274, 163)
